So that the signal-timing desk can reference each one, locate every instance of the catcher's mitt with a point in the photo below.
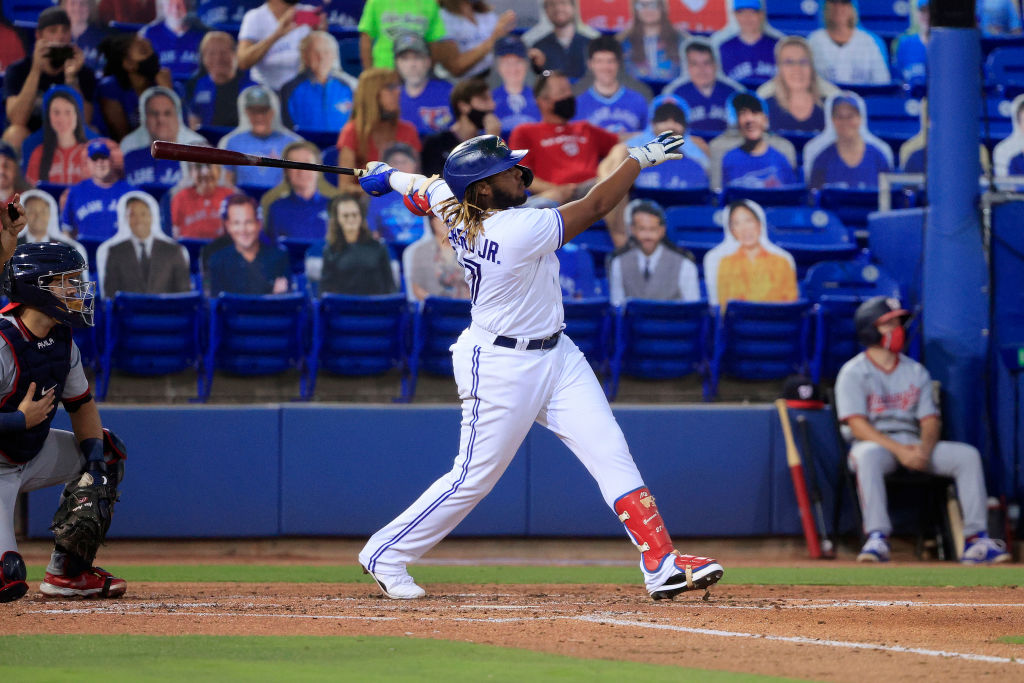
(81, 522)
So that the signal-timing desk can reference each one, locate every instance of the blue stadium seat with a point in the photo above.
(838, 288)
(576, 273)
(794, 17)
(357, 335)
(886, 18)
(996, 120)
(88, 339)
(194, 248)
(786, 195)
(658, 340)
(297, 249)
(253, 191)
(588, 323)
(1004, 71)
(91, 244)
(760, 341)
(256, 335)
(320, 138)
(438, 323)
(351, 62)
(852, 205)
(810, 235)
(596, 241)
(894, 119)
(896, 240)
(697, 228)
(25, 12)
(213, 134)
(690, 196)
(151, 335)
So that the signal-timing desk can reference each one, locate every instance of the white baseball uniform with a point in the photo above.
(512, 272)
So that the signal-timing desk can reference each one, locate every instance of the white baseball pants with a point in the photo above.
(503, 392)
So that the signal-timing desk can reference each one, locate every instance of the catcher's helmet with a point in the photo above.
(38, 276)
(479, 158)
(874, 311)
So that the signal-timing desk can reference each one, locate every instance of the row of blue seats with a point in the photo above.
(152, 335)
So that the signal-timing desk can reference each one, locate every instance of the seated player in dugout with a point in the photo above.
(40, 364)
(884, 400)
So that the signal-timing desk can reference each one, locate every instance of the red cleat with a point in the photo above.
(92, 583)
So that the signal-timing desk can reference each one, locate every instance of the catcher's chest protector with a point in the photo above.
(43, 361)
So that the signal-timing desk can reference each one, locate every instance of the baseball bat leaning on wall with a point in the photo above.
(796, 471)
(174, 151)
(828, 548)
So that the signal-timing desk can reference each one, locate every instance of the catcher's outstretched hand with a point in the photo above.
(376, 179)
(664, 147)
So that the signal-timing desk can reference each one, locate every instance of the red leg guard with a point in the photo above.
(638, 512)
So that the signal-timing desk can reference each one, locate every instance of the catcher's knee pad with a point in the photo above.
(12, 577)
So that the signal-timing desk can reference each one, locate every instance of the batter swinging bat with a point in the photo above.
(174, 151)
(828, 548)
(796, 471)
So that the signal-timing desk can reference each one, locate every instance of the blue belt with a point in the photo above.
(533, 345)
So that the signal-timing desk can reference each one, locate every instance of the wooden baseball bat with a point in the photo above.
(796, 471)
(174, 151)
(828, 548)
(956, 521)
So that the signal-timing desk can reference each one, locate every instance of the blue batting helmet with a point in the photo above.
(36, 276)
(479, 158)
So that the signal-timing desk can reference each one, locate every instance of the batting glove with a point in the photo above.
(376, 179)
(659, 150)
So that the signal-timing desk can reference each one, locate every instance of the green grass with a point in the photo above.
(1013, 640)
(890, 575)
(298, 658)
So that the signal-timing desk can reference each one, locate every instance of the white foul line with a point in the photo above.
(800, 640)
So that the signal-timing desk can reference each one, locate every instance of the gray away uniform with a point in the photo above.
(894, 403)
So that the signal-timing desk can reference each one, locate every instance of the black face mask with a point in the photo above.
(565, 108)
(388, 115)
(291, 2)
(150, 66)
(476, 117)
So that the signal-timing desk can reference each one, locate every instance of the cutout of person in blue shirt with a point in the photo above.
(514, 102)
(747, 45)
(319, 98)
(754, 163)
(301, 214)
(260, 132)
(846, 154)
(910, 52)
(425, 100)
(607, 103)
(704, 89)
(175, 37)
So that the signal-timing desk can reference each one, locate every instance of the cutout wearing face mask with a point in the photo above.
(565, 108)
(150, 66)
(476, 117)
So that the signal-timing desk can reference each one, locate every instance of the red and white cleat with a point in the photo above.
(92, 583)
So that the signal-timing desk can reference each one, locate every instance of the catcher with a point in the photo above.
(40, 364)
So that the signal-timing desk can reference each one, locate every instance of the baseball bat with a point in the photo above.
(828, 548)
(174, 151)
(956, 521)
(796, 471)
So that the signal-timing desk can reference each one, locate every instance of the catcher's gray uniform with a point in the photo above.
(895, 402)
(60, 459)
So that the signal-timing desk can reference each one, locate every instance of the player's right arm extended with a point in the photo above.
(606, 195)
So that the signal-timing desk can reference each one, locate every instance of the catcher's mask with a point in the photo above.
(50, 277)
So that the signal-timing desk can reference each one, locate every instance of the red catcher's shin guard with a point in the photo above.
(638, 512)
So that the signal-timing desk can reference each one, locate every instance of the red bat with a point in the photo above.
(174, 151)
(796, 471)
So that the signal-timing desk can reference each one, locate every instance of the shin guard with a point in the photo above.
(639, 513)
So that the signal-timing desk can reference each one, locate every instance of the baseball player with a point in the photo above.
(884, 398)
(514, 365)
(39, 365)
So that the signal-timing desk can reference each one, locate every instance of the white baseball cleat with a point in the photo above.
(676, 573)
(401, 587)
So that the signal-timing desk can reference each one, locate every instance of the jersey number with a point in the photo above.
(474, 271)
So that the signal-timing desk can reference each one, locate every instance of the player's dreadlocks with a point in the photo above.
(466, 213)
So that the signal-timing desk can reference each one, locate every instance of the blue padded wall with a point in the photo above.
(324, 470)
(202, 471)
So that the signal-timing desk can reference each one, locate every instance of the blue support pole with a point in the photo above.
(955, 274)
